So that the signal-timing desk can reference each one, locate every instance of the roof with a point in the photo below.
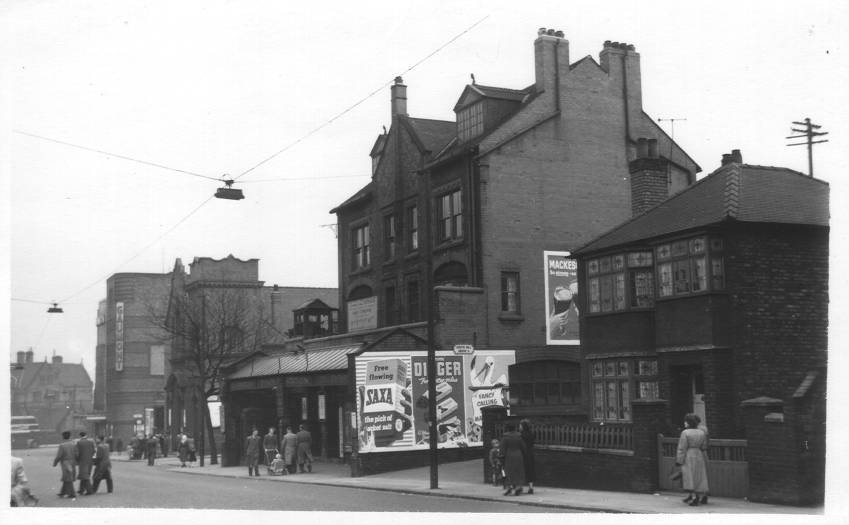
(315, 304)
(361, 195)
(433, 134)
(741, 192)
(301, 362)
(65, 374)
(516, 95)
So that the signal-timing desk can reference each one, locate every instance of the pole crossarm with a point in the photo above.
(807, 133)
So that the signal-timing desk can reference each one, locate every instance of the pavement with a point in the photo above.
(463, 480)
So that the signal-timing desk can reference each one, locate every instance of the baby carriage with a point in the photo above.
(273, 463)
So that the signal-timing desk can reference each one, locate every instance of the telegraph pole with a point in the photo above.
(809, 134)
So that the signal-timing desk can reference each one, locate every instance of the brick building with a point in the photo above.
(58, 394)
(132, 356)
(243, 318)
(716, 302)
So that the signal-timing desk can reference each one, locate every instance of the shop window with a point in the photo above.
(510, 292)
(617, 382)
(360, 256)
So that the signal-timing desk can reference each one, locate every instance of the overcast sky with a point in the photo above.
(216, 87)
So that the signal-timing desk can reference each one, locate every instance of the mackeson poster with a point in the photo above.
(561, 299)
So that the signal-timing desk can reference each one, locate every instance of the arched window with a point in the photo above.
(360, 292)
(451, 273)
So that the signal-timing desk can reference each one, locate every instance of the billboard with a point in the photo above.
(561, 299)
(393, 400)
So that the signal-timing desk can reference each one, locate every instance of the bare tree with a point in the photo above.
(210, 329)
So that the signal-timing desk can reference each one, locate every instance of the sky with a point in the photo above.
(271, 91)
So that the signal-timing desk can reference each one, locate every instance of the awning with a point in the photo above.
(321, 359)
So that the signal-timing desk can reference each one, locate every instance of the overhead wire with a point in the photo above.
(267, 159)
(373, 93)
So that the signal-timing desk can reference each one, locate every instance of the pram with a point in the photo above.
(274, 469)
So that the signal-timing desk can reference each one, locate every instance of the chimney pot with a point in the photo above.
(726, 158)
(541, 31)
(57, 359)
(631, 47)
(550, 32)
(559, 34)
(29, 356)
(21, 358)
(607, 43)
(642, 148)
(736, 156)
(399, 97)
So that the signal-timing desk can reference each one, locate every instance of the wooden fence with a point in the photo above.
(728, 470)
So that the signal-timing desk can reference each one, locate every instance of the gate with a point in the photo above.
(728, 470)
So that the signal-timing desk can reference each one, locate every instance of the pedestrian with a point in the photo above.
(496, 464)
(304, 448)
(252, 453)
(277, 466)
(527, 433)
(513, 450)
(102, 466)
(66, 458)
(691, 459)
(151, 449)
(190, 441)
(290, 449)
(85, 461)
(269, 444)
(20, 495)
(183, 449)
(162, 447)
(142, 454)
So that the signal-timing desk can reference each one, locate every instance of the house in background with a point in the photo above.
(716, 302)
(472, 208)
(58, 394)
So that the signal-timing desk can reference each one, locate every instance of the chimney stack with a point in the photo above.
(21, 357)
(622, 63)
(28, 356)
(399, 98)
(649, 179)
(276, 308)
(734, 157)
(551, 59)
(57, 359)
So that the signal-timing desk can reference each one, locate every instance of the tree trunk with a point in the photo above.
(213, 449)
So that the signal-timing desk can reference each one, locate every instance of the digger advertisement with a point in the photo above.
(393, 399)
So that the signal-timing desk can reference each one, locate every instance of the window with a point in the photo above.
(414, 308)
(450, 216)
(616, 382)
(545, 383)
(389, 236)
(683, 267)
(389, 305)
(622, 281)
(360, 243)
(510, 292)
(413, 221)
(470, 122)
(157, 360)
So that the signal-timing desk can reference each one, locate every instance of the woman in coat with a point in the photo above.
(691, 459)
(290, 449)
(513, 450)
(527, 434)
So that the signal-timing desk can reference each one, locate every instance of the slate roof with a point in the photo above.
(741, 192)
(66, 374)
(313, 360)
(434, 134)
(361, 195)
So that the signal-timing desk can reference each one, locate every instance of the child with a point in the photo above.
(496, 463)
(277, 466)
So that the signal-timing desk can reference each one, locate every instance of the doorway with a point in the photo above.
(687, 385)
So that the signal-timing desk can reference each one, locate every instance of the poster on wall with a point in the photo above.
(362, 314)
(561, 299)
(393, 400)
(119, 336)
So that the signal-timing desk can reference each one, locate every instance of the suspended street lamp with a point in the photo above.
(55, 309)
(228, 192)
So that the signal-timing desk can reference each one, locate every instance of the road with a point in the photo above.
(140, 486)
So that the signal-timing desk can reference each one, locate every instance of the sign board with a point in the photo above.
(362, 314)
(119, 336)
(322, 407)
(393, 399)
(561, 299)
(464, 349)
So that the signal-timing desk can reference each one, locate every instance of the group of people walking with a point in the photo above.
(512, 459)
(77, 459)
(296, 452)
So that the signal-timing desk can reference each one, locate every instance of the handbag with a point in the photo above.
(674, 473)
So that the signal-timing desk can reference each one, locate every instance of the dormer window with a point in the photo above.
(470, 122)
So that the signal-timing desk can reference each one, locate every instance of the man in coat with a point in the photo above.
(102, 466)
(269, 443)
(66, 458)
(290, 449)
(304, 449)
(252, 453)
(85, 460)
(21, 496)
(151, 449)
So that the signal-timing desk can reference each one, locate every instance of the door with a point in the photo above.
(698, 384)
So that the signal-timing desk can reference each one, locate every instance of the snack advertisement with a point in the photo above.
(393, 400)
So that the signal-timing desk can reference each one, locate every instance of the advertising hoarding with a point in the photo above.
(362, 314)
(392, 397)
(561, 299)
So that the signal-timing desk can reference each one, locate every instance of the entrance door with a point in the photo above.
(698, 384)
(688, 393)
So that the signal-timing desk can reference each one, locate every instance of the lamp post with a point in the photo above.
(433, 431)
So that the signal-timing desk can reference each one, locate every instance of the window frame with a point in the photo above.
(507, 293)
(360, 242)
(413, 229)
(390, 236)
(470, 121)
(615, 382)
(449, 208)
(689, 266)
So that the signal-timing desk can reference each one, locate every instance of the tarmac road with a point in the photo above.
(140, 486)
